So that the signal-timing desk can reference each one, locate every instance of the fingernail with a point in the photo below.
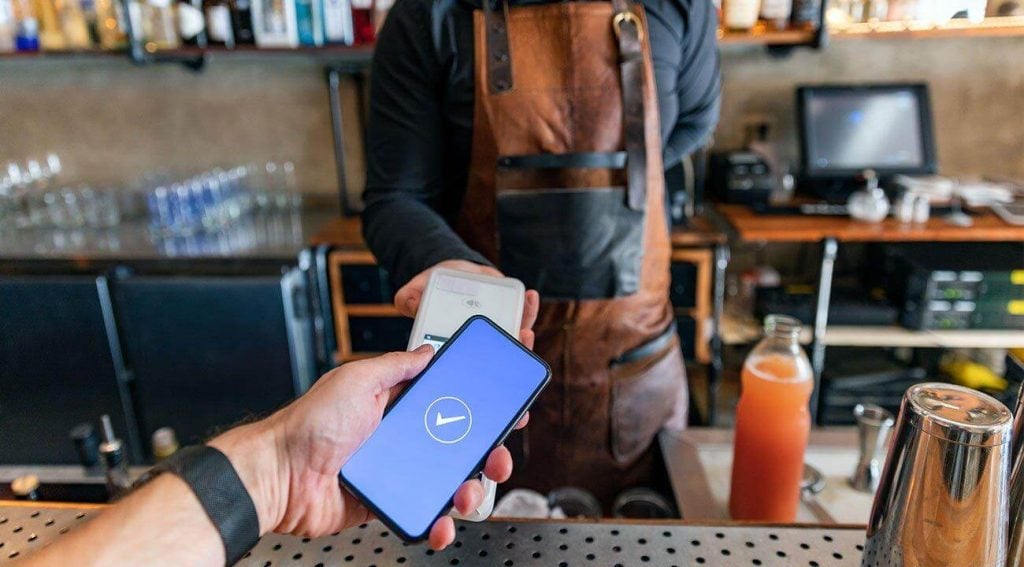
(424, 348)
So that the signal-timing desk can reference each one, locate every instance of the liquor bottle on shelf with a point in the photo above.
(806, 14)
(741, 15)
(50, 36)
(901, 10)
(308, 18)
(110, 24)
(241, 22)
(91, 22)
(776, 13)
(362, 21)
(218, 23)
(338, 22)
(8, 26)
(876, 11)
(274, 23)
(192, 23)
(73, 24)
(26, 36)
(159, 29)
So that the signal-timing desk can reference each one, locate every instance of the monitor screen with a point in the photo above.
(848, 129)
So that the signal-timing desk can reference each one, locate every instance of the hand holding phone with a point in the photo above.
(440, 430)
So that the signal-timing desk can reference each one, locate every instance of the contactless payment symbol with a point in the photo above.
(448, 420)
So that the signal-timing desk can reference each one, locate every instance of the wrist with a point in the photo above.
(256, 453)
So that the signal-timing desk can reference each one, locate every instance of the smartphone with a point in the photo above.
(438, 433)
(452, 296)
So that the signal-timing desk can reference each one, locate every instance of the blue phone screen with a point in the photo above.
(435, 436)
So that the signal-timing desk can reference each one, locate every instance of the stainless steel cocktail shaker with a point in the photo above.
(943, 496)
(1016, 520)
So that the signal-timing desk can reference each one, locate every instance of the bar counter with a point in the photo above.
(26, 526)
(278, 236)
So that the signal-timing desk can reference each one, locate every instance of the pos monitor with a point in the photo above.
(846, 129)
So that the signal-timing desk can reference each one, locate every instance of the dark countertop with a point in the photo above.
(258, 237)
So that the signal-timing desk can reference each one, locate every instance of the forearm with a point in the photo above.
(407, 237)
(160, 524)
(163, 522)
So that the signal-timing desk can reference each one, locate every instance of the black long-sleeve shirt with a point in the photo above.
(420, 130)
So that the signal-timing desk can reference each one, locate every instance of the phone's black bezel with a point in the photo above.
(479, 466)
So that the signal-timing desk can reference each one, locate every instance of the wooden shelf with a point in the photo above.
(357, 54)
(759, 36)
(736, 332)
(371, 310)
(752, 227)
(82, 54)
(990, 27)
(342, 359)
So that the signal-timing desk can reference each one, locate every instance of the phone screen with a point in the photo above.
(444, 425)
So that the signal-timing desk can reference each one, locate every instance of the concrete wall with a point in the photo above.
(977, 88)
(111, 121)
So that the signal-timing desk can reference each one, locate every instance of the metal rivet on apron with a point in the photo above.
(501, 57)
(498, 28)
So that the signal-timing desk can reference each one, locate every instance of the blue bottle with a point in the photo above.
(27, 37)
(304, 22)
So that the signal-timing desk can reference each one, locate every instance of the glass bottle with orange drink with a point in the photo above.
(772, 425)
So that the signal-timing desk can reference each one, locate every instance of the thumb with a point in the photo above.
(394, 368)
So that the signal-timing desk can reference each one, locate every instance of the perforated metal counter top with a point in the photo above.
(557, 544)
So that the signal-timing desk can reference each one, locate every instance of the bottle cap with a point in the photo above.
(24, 486)
(165, 443)
(87, 443)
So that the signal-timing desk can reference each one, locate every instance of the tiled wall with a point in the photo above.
(111, 120)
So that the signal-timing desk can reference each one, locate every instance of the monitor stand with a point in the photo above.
(837, 191)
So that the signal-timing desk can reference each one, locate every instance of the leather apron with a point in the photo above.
(566, 192)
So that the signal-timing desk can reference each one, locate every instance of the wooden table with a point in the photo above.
(830, 231)
(752, 227)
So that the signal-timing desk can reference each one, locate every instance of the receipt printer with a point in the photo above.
(741, 177)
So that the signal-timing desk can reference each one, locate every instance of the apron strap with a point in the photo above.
(629, 32)
(499, 60)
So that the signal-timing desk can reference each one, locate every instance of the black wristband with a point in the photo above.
(220, 491)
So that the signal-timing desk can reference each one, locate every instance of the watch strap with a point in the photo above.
(213, 479)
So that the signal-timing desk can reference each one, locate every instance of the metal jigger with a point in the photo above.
(873, 424)
(943, 497)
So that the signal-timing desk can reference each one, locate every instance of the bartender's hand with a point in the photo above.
(407, 300)
(289, 462)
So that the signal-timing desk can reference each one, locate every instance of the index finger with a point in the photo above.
(531, 306)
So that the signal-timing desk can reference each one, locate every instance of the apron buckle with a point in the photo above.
(627, 17)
